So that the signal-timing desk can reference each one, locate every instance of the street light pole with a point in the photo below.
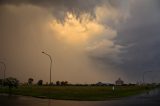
(4, 70)
(144, 75)
(50, 64)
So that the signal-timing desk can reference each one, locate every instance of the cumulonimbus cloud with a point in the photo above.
(121, 34)
(59, 8)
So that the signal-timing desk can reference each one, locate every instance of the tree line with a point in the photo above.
(13, 82)
(40, 82)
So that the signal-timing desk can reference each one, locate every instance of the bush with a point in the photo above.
(57, 83)
(30, 81)
(11, 82)
(40, 82)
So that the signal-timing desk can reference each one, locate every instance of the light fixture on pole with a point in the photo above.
(50, 64)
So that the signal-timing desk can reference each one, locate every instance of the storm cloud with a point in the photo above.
(59, 8)
(116, 38)
(141, 34)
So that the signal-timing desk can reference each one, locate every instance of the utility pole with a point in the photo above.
(145, 72)
(4, 65)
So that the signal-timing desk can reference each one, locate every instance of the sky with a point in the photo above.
(89, 40)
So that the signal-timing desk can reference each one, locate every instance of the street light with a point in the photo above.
(4, 70)
(50, 64)
(144, 75)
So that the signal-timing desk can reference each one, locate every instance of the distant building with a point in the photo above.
(119, 82)
(99, 84)
(103, 84)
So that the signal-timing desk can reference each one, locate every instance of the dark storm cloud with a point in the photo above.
(82, 4)
(140, 35)
(26, 32)
(59, 8)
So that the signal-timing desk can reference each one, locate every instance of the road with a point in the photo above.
(148, 99)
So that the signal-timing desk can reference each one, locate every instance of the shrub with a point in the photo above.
(40, 82)
(11, 82)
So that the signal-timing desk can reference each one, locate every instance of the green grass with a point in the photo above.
(88, 93)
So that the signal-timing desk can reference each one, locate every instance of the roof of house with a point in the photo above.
(119, 80)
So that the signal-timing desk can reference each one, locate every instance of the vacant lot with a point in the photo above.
(76, 92)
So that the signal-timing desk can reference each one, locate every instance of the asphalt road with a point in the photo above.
(148, 99)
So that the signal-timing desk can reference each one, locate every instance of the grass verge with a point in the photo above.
(81, 93)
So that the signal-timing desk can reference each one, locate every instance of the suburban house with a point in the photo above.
(119, 82)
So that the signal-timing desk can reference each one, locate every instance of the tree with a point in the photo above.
(62, 83)
(11, 82)
(46, 83)
(57, 83)
(65, 82)
(40, 82)
(1, 82)
(30, 81)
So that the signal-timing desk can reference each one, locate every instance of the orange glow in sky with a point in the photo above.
(76, 31)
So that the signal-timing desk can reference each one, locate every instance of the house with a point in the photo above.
(119, 82)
